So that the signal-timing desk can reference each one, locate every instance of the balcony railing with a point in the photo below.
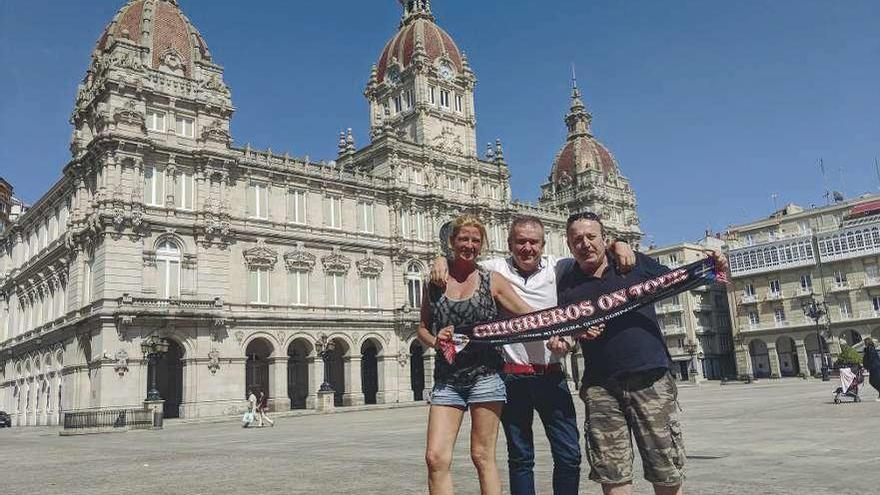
(804, 291)
(753, 299)
(871, 282)
(866, 315)
(781, 323)
(673, 330)
(774, 296)
(123, 419)
(668, 308)
(840, 287)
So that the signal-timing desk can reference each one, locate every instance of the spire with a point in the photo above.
(414, 9)
(579, 118)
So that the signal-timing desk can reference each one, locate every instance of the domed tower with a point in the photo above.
(586, 177)
(152, 76)
(422, 87)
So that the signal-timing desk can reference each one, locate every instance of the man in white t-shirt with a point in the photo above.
(533, 373)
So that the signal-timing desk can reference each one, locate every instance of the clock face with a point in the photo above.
(446, 72)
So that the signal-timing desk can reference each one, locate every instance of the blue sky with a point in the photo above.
(711, 107)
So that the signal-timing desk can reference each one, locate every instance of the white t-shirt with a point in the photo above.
(539, 292)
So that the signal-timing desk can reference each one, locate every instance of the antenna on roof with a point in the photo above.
(574, 77)
(827, 194)
(877, 171)
(842, 182)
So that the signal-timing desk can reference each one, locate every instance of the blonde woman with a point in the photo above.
(473, 381)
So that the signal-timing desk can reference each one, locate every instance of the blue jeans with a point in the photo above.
(550, 396)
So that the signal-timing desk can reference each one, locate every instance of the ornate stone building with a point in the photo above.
(780, 264)
(249, 263)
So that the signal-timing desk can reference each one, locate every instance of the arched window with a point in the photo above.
(168, 264)
(413, 278)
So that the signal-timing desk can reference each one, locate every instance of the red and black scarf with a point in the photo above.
(577, 317)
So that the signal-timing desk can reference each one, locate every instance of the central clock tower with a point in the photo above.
(422, 88)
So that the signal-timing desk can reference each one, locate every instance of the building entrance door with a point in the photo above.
(169, 379)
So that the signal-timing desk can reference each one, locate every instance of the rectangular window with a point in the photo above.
(333, 211)
(298, 287)
(258, 200)
(753, 318)
(749, 290)
(408, 97)
(404, 224)
(876, 302)
(366, 217)
(774, 287)
(154, 186)
(335, 289)
(185, 126)
(421, 230)
(370, 292)
(155, 121)
(185, 197)
(432, 94)
(871, 272)
(845, 308)
(779, 315)
(444, 98)
(840, 278)
(296, 206)
(169, 278)
(807, 281)
(398, 106)
(458, 103)
(258, 286)
(673, 260)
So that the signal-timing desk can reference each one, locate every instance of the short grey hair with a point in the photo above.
(526, 220)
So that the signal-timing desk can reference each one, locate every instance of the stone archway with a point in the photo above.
(169, 379)
(789, 363)
(815, 354)
(370, 371)
(760, 358)
(850, 337)
(417, 370)
(257, 366)
(298, 353)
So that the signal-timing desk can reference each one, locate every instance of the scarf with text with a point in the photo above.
(577, 317)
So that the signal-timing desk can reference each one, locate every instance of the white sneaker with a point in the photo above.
(877, 399)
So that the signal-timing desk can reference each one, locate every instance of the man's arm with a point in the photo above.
(440, 268)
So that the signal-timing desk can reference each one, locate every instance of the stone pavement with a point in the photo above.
(780, 437)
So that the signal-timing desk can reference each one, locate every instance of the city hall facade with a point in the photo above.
(246, 262)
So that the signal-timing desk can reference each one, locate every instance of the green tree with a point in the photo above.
(848, 357)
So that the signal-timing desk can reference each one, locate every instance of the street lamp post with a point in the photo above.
(154, 348)
(815, 310)
(325, 348)
(690, 347)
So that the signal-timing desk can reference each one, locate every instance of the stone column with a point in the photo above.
(428, 358)
(774, 360)
(279, 400)
(316, 377)
(386, 394)
(803, 359)
(744, 363)
(354, 395)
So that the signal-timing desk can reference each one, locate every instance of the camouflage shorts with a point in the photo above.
(641, 406)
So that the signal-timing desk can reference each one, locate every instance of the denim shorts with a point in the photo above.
(487, 388)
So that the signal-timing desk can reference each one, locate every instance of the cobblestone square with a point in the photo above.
(780, 437)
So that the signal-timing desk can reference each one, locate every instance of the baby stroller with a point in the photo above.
(850, 379)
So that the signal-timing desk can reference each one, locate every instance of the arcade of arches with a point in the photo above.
(763, 357)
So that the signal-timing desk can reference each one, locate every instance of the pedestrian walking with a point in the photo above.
(871, 362)
(263, 410)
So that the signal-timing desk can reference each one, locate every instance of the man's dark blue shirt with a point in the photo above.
(632, 342)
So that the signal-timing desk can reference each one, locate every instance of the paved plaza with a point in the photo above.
(780, 437)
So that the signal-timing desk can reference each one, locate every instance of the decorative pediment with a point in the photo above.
(369, 266)
(336, 262)
(261, 256)
(216, 133)
(299, 260)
